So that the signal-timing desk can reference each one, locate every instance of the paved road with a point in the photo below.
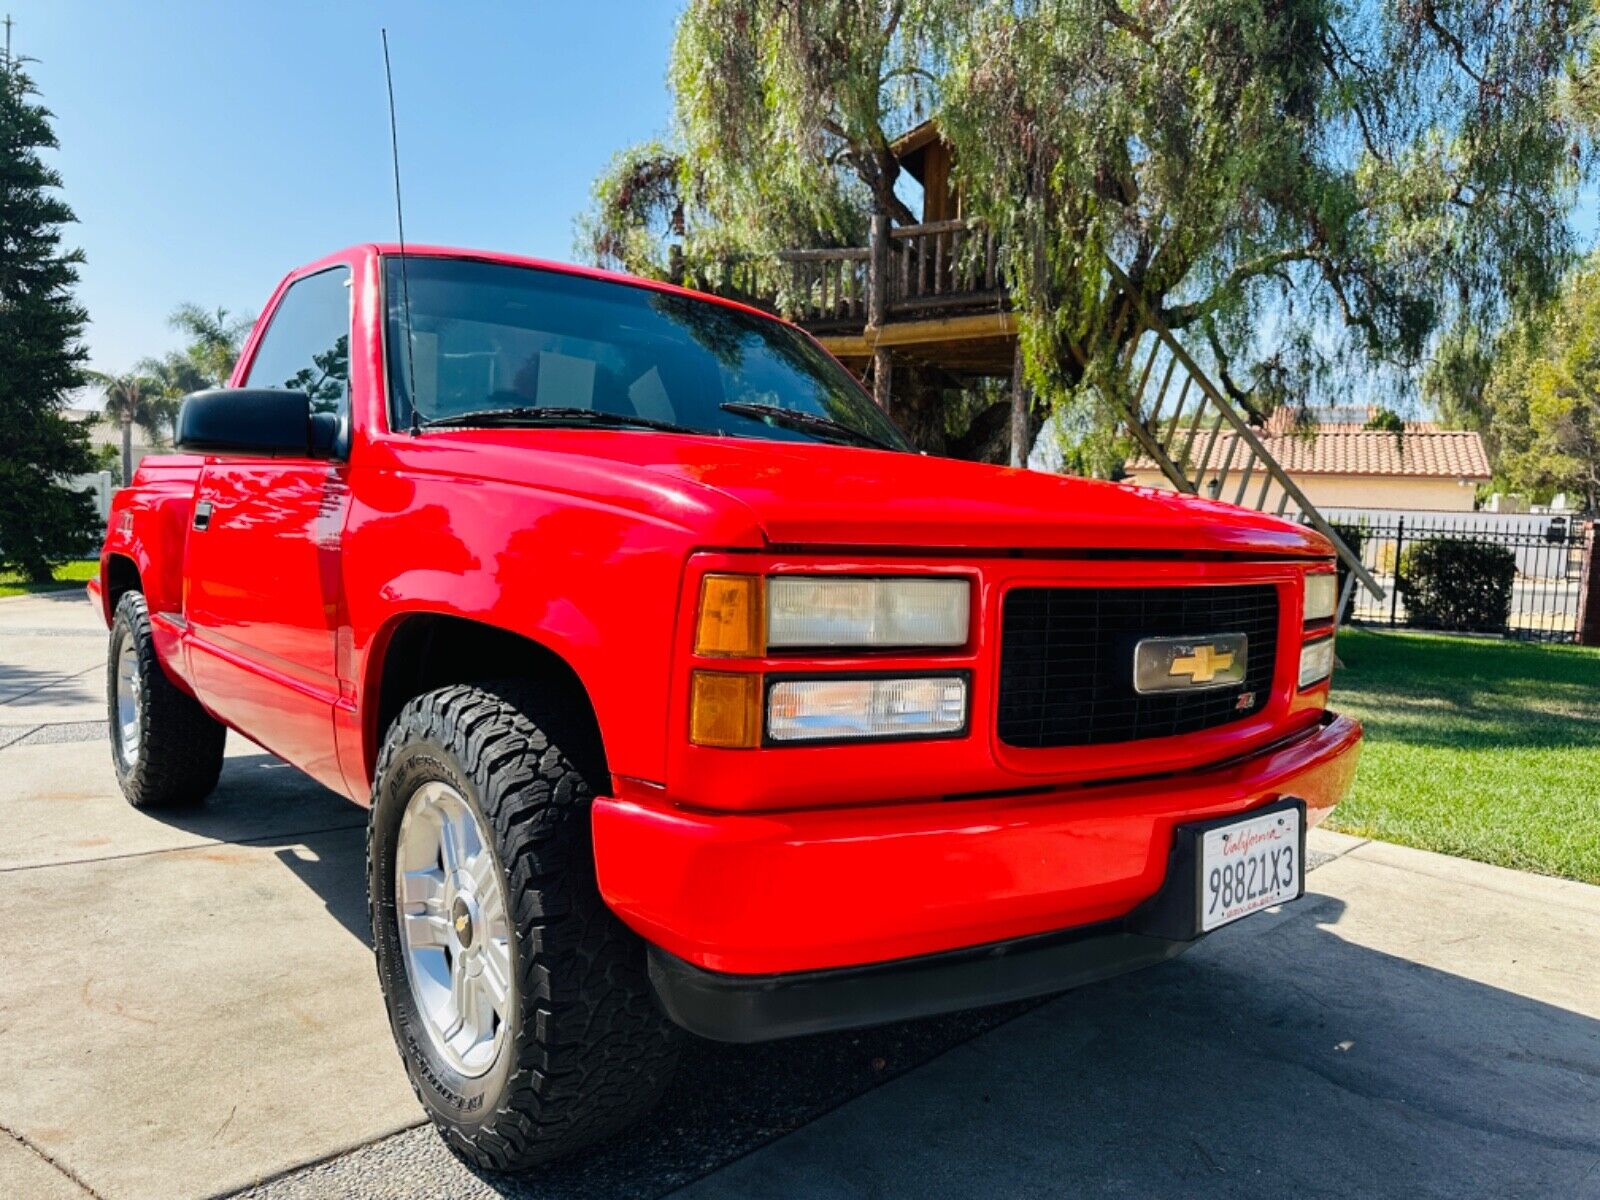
(188, 1008)
(1547, 605)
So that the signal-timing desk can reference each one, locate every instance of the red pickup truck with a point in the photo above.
(684, 694)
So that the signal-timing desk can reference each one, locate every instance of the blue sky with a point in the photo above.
(208, 148)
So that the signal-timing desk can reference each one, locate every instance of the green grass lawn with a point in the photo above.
(1484, 749)
(72, 574)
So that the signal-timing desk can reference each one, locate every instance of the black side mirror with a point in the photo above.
(255, 421)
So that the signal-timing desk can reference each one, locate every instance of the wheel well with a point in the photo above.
(428, 651)
(121, 576)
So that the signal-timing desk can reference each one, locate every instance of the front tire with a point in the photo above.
(166, 749)
(519, 1002)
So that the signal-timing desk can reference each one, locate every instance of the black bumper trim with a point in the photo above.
(759, 1008)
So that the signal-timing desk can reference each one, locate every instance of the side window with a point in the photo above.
(307, 346)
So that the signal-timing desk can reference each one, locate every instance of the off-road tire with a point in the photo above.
(180, 744)
(587, 1051)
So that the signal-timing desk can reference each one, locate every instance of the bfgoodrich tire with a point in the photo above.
(166, 749)
(519, 1002)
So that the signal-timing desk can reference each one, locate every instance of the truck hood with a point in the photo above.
(804, 494)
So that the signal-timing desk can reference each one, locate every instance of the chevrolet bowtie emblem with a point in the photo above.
(1202, 665)
(462, 923)
(1187, 664)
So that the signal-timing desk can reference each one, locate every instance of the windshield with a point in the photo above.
(493, 339)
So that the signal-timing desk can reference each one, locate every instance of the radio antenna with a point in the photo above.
(400, 223)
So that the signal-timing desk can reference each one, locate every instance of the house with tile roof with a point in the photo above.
(103, 432)
(1338, 464)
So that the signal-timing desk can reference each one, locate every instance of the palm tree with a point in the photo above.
(171, 377)
(215, 337)
(132, 399)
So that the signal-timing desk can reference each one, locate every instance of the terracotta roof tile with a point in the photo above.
(1340, 450)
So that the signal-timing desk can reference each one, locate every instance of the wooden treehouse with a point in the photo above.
(928, 295)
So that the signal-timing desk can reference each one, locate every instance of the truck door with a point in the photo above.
(263, 595)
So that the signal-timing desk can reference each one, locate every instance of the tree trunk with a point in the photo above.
(882, 378)
(988, 438)
(917, 406)
(127, 451)
(1021, 442)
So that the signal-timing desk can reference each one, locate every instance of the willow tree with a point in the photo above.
(787, 106)
(639, 213)
(1313, 192)
(787, 111)
(687, 207)
(784, 117)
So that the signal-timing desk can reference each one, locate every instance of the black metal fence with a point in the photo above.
(1548, 550)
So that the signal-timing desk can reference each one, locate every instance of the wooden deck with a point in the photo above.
(931, 294)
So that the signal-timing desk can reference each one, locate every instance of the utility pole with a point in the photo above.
(8, 41)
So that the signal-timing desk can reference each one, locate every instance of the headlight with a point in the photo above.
(1322, 597)
(1316, 661)
(837, 611)
(823, 709)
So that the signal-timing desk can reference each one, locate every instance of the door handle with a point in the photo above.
(202, 515)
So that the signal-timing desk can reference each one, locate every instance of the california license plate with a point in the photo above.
(1249, 865)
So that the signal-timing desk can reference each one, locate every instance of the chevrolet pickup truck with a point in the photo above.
(683, 694)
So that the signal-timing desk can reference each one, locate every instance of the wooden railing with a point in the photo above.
(825, 287)
(902, 272)
(942, 264)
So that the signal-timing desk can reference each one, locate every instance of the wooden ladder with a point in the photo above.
(1201, 442)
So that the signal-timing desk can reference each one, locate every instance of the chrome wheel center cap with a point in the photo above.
(462, 921)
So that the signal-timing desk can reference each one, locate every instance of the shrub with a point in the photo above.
(1457, 583)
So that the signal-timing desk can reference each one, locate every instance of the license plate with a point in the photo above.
(1249, 865)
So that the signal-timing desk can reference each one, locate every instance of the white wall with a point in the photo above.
(1346, 491)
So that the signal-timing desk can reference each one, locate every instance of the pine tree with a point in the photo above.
(41, 354)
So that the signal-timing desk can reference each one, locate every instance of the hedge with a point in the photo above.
(1457, 583)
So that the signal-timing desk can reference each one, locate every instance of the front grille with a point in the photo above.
(1066, 661)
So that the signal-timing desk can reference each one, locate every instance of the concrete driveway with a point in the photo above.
(188, 1008)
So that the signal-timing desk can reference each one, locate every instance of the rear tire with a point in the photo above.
(166, 749)
(577, 1048)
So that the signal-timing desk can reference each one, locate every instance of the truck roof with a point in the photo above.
(522, 260)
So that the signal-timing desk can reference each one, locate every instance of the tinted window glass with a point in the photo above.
(492, 336)
(307, 346)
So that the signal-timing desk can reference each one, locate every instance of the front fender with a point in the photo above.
(595, 585)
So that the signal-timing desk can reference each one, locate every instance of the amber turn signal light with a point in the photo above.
(732, 618)
(725, 709)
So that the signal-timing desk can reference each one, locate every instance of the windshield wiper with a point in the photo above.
(553, 415)
(794, 418)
